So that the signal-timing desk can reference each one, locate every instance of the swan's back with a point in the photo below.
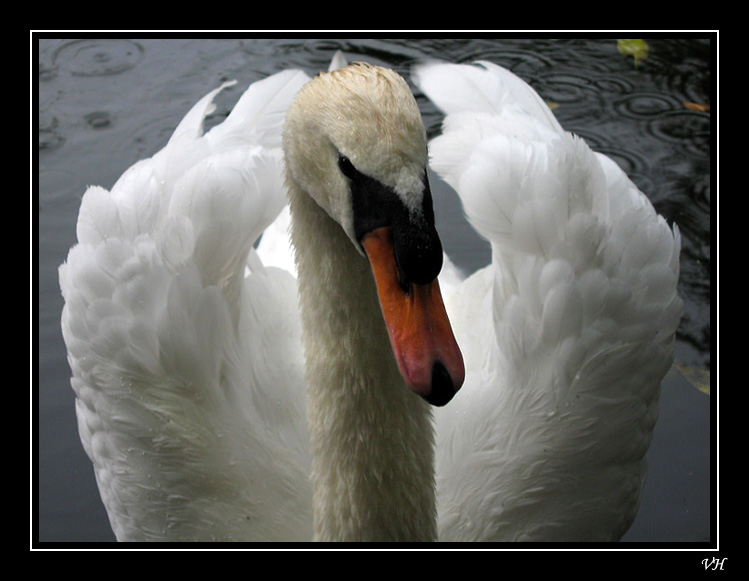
(170, 343)
(571, 326)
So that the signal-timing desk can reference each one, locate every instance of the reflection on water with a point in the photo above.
(104, 104)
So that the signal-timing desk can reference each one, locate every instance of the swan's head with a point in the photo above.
(355, 142)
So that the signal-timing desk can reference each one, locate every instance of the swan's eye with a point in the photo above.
(347, 168)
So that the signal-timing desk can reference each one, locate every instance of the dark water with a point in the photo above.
(104, 104)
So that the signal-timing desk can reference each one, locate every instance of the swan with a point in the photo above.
(222, 398)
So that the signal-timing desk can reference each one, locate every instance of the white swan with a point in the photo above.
(186, 351)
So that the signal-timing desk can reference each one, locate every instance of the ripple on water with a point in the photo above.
(571, 87)
(59, 191)
(612, 84)
(98, 119)
(644, 106)
(686, 129)
(143, 139)
(50, 136)
(96, 57)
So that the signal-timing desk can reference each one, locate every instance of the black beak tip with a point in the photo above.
(443, 389)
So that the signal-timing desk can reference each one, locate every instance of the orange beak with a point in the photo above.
(422, 339)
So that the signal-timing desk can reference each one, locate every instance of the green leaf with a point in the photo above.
(700, 378)
(635, 47)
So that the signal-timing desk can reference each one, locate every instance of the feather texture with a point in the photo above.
(583, 303)
(158, 319)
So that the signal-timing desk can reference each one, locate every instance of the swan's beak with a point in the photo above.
(420, 333)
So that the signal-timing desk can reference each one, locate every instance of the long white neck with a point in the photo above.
(371, 437)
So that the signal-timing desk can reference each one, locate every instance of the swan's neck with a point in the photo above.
(371, 437)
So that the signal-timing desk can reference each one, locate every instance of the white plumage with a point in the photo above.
(188, 362)
(171, 409)
(583, 303)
